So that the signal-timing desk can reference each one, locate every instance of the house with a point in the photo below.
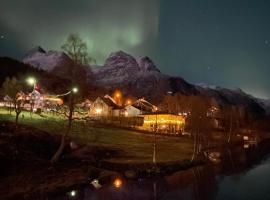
(163, 122)
(105, 107)
(144, 106)
(132, 111)
(36, 99)
(139, 107)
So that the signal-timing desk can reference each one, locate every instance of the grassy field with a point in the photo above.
(137, 147)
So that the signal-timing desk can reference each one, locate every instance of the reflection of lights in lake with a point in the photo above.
(246, 138)
(72, 193)
(96, 184)
(117, 183)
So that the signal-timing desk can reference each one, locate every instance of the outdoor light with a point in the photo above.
(117, 183)
(246, 138)
(126, 113)
(128, 102)
(31, 81)
(98, 110)
(73, 193)
(74, 90)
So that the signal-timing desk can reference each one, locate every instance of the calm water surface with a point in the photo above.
(243, 174)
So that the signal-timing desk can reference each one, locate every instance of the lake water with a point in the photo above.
(244, 174)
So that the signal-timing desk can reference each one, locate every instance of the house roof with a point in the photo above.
(143, 105)
(110, 103)
(7, 98)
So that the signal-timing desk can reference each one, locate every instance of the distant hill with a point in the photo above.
(12, 68)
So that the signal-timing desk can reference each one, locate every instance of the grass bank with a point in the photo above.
(135, 147)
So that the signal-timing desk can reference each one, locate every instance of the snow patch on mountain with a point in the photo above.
(39, 58)
(205, 85)
(265, 103)
(146, 64)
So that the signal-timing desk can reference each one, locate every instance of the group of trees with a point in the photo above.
(201, 117)
(76, 72)
(13, 89)
(196, 109)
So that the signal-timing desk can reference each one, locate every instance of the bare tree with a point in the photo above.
(76, 48)
(66, 132)
(13, 88)
(196, 108)
(199, 123)
(176, 103)
(231, 116)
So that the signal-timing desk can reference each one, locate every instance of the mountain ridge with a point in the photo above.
(140, 77)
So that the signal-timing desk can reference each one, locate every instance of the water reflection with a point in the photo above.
(244, 173)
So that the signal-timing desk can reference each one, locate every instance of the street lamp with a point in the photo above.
(118, 94)
(128, 102)
(74, 90)
(32, 81)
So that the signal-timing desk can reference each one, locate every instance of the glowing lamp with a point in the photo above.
(117, 183)
(246, 138)
(98, 110)
(31, 81)
(74, 90)
(126, 113)
(73, 193)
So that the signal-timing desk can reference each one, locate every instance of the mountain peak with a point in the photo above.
(36, 49)
(121, 59)
(39, 58)
(146, 64)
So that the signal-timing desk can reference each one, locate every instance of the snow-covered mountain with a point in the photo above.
(39, 58)
(237, 97)
(137, 77)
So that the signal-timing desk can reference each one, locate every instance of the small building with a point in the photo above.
(132, 111)
(163, 122)
(105, 107)
(144, 106)
(139, 107)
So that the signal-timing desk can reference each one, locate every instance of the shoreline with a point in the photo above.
(74, 171)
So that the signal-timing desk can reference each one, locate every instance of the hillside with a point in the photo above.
(10, 67)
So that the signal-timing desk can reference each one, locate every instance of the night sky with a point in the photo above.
(225, 43)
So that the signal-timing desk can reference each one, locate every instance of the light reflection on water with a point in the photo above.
(243, 175)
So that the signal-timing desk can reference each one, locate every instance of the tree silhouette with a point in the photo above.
(13, 88)
(76, 48)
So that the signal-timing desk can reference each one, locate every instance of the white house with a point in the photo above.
(105, 107)
(132, 111)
